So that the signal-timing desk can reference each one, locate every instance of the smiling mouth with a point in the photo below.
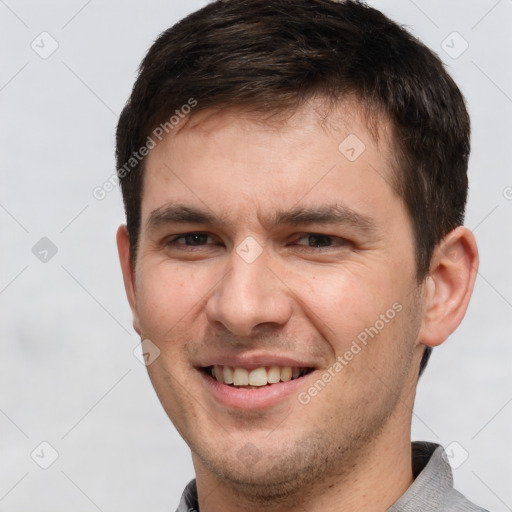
(255, 378)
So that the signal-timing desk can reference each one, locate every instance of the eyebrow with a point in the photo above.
(181, 214)
(299, 215)
(326, 214)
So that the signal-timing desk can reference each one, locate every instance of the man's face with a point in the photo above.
(278, 245)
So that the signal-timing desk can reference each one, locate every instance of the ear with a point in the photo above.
(449, 286)
(123, 247)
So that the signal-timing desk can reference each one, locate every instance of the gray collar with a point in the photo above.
(432, 489)
(432, 479)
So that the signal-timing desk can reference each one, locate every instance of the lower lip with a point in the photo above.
(252, 399)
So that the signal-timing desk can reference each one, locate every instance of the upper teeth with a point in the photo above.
(257, 377)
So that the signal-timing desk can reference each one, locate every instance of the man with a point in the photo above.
(294, 179)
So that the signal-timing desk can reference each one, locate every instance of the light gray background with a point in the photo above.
(68, 375)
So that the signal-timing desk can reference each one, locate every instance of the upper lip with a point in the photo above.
(253, 361)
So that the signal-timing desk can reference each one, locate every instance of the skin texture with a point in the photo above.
(349, 447)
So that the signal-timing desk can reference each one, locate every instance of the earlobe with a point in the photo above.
(449, 286)
(123, 248)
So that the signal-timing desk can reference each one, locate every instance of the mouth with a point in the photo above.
(255, 378)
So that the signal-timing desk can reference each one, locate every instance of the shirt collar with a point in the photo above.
(432, 480)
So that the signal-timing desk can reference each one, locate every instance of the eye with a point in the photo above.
(318, 241)
(189, 239)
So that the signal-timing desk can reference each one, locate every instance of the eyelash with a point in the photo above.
(341, 241)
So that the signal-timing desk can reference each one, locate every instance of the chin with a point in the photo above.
(262, 482)
(278, 473)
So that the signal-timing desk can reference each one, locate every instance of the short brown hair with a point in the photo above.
(272, 55)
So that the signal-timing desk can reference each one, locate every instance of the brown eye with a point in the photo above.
(318, 241)
(190, 239)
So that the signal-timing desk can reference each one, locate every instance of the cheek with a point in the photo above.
(165, 296)
(357, 310)
(343, 299)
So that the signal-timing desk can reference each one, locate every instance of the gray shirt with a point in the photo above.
(432, 489)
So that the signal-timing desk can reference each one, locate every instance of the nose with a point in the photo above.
(248, 297)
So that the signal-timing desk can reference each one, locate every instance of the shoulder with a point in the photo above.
(456, 502)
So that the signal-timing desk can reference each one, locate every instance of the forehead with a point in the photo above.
(318, 112)
(225, 158)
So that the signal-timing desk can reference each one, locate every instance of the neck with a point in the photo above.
(371, 481)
